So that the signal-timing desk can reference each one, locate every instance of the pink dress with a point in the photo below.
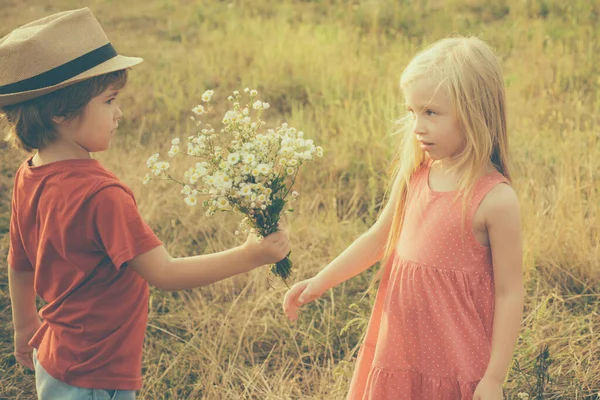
(429, 336)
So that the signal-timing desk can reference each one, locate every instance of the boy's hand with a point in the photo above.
(270, 249)
(301, 293)
(23, 351)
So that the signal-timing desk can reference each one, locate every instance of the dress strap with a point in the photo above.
(482, 188)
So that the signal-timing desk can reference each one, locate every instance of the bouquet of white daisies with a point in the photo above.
(243, 168)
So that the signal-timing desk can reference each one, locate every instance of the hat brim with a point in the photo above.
(114, 64)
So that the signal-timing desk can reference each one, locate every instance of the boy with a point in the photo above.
(76, 237)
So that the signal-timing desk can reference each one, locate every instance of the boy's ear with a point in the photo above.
(58, 120)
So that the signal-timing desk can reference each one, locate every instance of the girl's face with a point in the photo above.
(435, 124)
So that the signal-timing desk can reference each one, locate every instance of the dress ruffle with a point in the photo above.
(383, 384)
(387, 384)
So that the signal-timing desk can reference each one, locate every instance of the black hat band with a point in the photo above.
(62, 72)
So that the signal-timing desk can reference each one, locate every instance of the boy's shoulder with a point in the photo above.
(77, 178)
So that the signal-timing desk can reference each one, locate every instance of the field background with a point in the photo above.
(331, 69)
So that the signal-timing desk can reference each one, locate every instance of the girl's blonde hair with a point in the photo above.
(469, 71)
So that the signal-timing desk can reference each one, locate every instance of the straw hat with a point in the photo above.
(53, 52)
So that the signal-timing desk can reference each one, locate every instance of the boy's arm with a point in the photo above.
(503, 221)
(118, 229)
(24, 311)
(164, 272)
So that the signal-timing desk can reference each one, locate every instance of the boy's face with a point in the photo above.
(435, 124)
(94, 128)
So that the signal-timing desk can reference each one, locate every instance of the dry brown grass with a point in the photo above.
(331, 68)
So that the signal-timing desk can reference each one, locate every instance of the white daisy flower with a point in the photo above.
(174, 150)
(152, 160)
(194, 178)
(206, 96)
(198, 110)
(263, 168)
(191, 200)
(210, 180)
(160, 167)
(245, 190)
(222, 203)
(233, 158)
(249, 158)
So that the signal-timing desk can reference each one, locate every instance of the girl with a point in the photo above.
(450, 236)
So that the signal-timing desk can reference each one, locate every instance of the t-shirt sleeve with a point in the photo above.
(118, 226)
(17, 257)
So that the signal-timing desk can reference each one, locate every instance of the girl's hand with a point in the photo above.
(23, 351)
(270, 249)
(301, 293)
(488, 389)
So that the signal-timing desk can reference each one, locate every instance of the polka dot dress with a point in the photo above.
(429, 336)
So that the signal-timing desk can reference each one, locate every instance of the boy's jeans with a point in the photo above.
(49, 388)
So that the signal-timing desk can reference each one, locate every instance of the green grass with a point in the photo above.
(331, 68)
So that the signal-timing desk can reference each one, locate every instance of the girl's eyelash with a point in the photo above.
(428, 111)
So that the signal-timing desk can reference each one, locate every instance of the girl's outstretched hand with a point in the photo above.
(301, 293)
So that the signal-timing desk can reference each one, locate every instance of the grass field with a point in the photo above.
(331, 68)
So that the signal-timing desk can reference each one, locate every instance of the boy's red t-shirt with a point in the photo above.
(75, 224)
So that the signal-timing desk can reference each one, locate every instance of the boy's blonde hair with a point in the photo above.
(30, 125)
(470, 73)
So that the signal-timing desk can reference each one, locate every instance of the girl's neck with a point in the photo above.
(447, 168)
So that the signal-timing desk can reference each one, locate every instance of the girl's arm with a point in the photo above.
(24, 312)
(503, 222)
(359, 256)
(364, 251)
